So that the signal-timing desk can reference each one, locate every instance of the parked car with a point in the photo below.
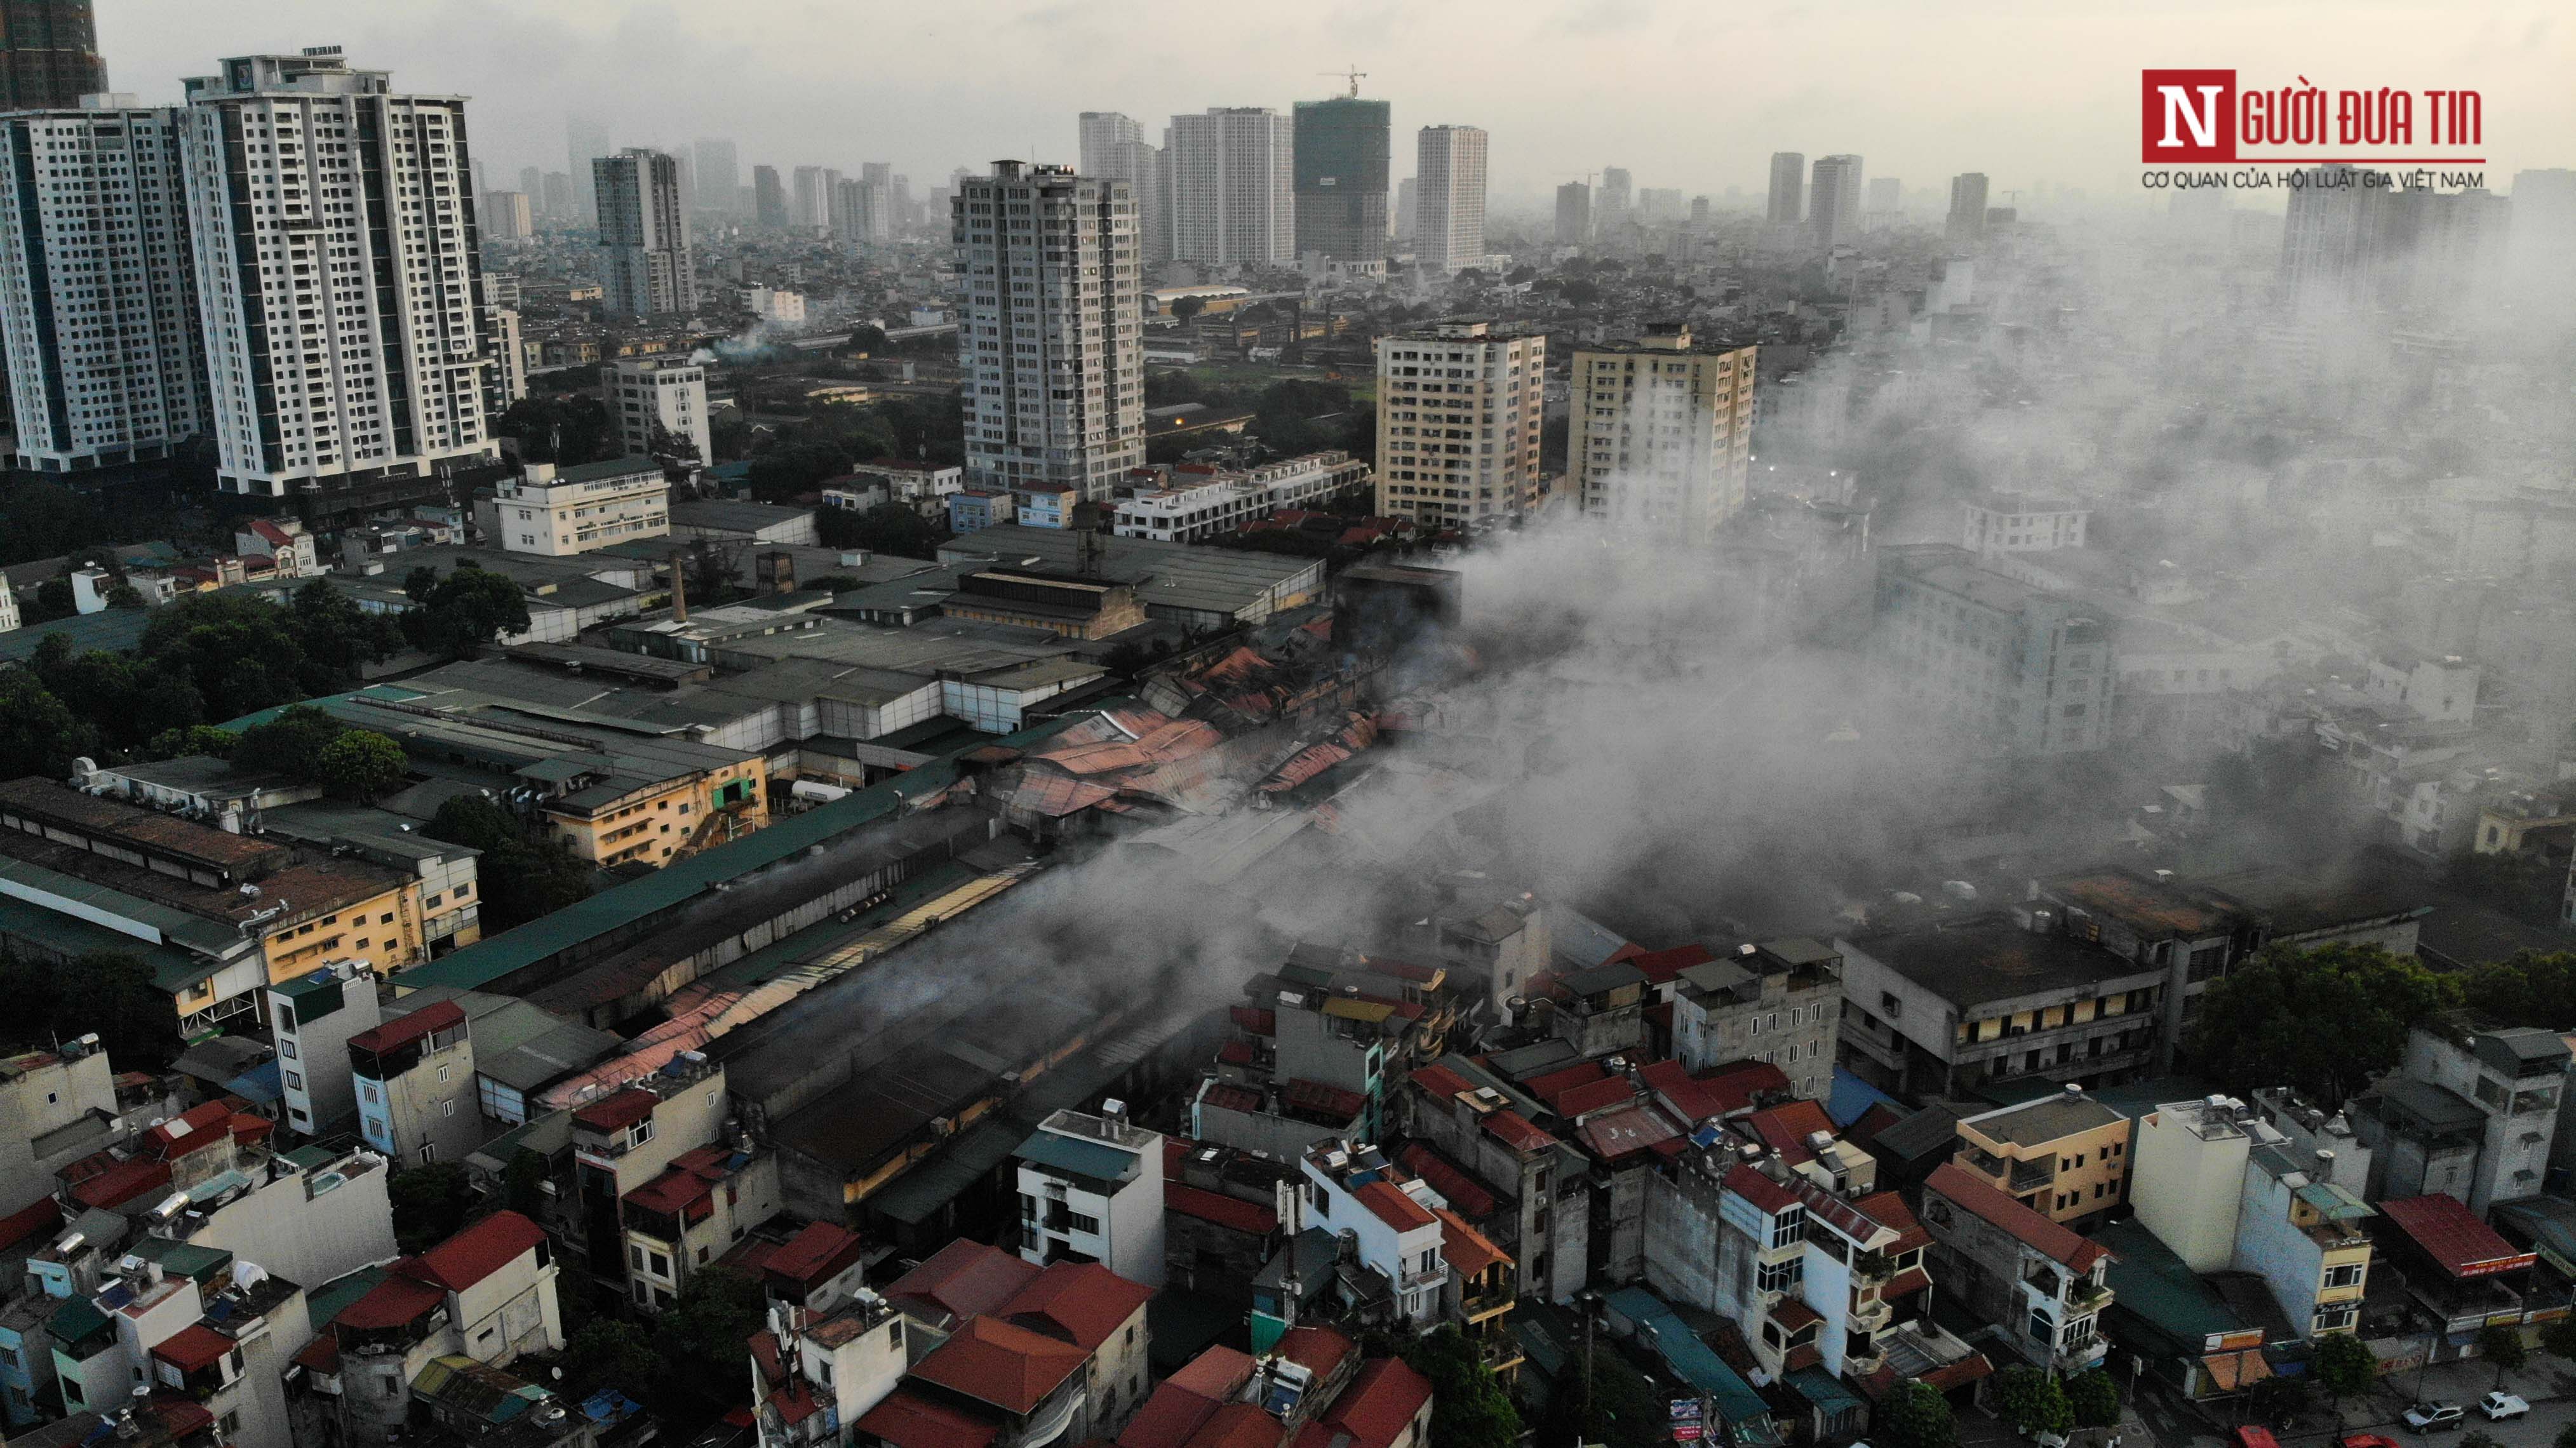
(2254, 1435)
(2501, 1405)
(2366, 1440)
(2434, 1417)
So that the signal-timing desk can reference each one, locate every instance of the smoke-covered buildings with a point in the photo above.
(1664, 432)
(2008, 667)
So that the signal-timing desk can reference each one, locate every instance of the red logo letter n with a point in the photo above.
(2187, 115)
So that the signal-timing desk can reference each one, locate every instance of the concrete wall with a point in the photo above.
(306, 1229)
(2186, 1190)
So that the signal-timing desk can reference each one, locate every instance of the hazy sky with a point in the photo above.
(1687, 93)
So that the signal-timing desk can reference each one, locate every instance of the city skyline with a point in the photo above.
(2071, 122)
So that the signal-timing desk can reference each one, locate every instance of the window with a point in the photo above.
(2348, 1275)
(2042, 1328)
(1778, 1276)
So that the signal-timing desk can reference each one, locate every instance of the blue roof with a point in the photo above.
(1824, 1390)
(1852, 1096)
(1097, 1160)
(1690, 1359)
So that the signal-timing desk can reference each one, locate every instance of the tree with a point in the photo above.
(2558, 1338)
(700, 1336)
(38, 733)
(2323, 1022)
(1184, 308)
(610, 1354)
(1914, 1415)
(195, 739)
(1469, 1409)
(40, 519)
(337, 634)
(886, 528)
(522, 877)
(463, 613)
(361, 764)
(2032, 1402)
(115, 995)
(290, 744)
(523, 1184)
(567, 431)
(794, 468)
(2343, 1367)
(2276, 1403)
(1616, 1406)
(2525, 988)
(429, 1204)
(2095, 1397)
(2502, 1344)
(2566, 1437)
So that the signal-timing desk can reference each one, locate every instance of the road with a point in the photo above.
(2549, 1385)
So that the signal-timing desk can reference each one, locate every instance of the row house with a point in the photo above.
(2222, 1188)
(1312, 1390)
(628, 1138)
(694, 1212)
(1536, 1184)
(2064, 1156)
(2042, 1284)
(1357, 1190)
(1776, 1001)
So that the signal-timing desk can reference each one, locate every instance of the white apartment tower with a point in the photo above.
(1449, 190)
(1458, 422)
(1051, 333)
(1233, 195)
(644, 256)
(1114, 148)
(648, 393)
(97, 304)
(332, 226)
(1663, 432)
(1833, 200)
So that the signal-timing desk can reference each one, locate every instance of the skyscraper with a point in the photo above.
(1833, 205)
(768, 199)
(505, 216)
(1612, 200)
(585, 141)
(1788, 188)
(1664, 432)
(324, 377)
(1233, 187)
(1407, 214)
(812, 206)
(1343, 146)
(644, 261)
(532, 182)
(98, 304)
(557, 192)
(719, 175)
(1114, 148)
(2336, 235)
(1056, 372)
(1573, 213)
(1967, 223)
(1449, 170)
(1491, 471)
(48, 55)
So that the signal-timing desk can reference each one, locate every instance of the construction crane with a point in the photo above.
(1354, 75)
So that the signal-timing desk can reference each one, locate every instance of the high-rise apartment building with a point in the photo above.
(812, 204)
(1788, 188)
(1114, 148)
(1233, 194)
(585, 141)
(719, 175)
(1886, 199)
(1833, 201)
(644, 262)
(1967, 223)
(2333, 238)
(1407, 213)
(1458, 415)
(1051, 329)
(1612, 200)
(1663, 432)
(1573, 213)
(557, 191)
(533, 182)
(1343, 147)
(506, 216)
(98, 304)
(768, 199)
(1449, 175)
(2015, 668)
(342, 318)
(48, 55)
(650, 396)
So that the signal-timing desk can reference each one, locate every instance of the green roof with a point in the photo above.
(2153, 1286)
(77, 1318)
(325, 1302)
(173, 969)
(1097, 1160)
(479, 964)
(184, 1259)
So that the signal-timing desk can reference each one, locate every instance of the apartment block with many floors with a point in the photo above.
(1459, 409)
(1663, 434)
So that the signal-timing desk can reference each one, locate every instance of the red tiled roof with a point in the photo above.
(1513, 1130)
(1889, 1211)
(818, 1252)
(1439, 1080)
(1238, 1425)
(1804, 1355)
(1378, 1404)
(1315, 1347)
(1235, 1053)
(616, 1113)
(1220, 1209)
(1080, 1302)
(1468, 1250)
(199, 1128)
(179, 1417)
(1388, 1203)
(1660, 967)
(2453, 1236)
(909, 1420)
(27, 1221)
(1226, 1096)
(1905, 1284)
(1258, 1020)
(392, 1303)
(1769, 1196)
(403, 1030)
(2034, 1230)
(1564, 1078)
(1863, 1133)
(1329, 1101)
(677, 1193)
(192, 1347)
(1448, 1179)
(1169, 1417)
(997, 1362)
(1620, 1134)
(965, 1279)
(1735, 1082)
(122, 1183)
(476, 1252)
(1793, 1314)
(1602, 1095)
(321, 1355)
(1785, 1129)
(251, 1129)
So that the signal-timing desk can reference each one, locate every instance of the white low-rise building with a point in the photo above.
(559, 511)
(1213, 504)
